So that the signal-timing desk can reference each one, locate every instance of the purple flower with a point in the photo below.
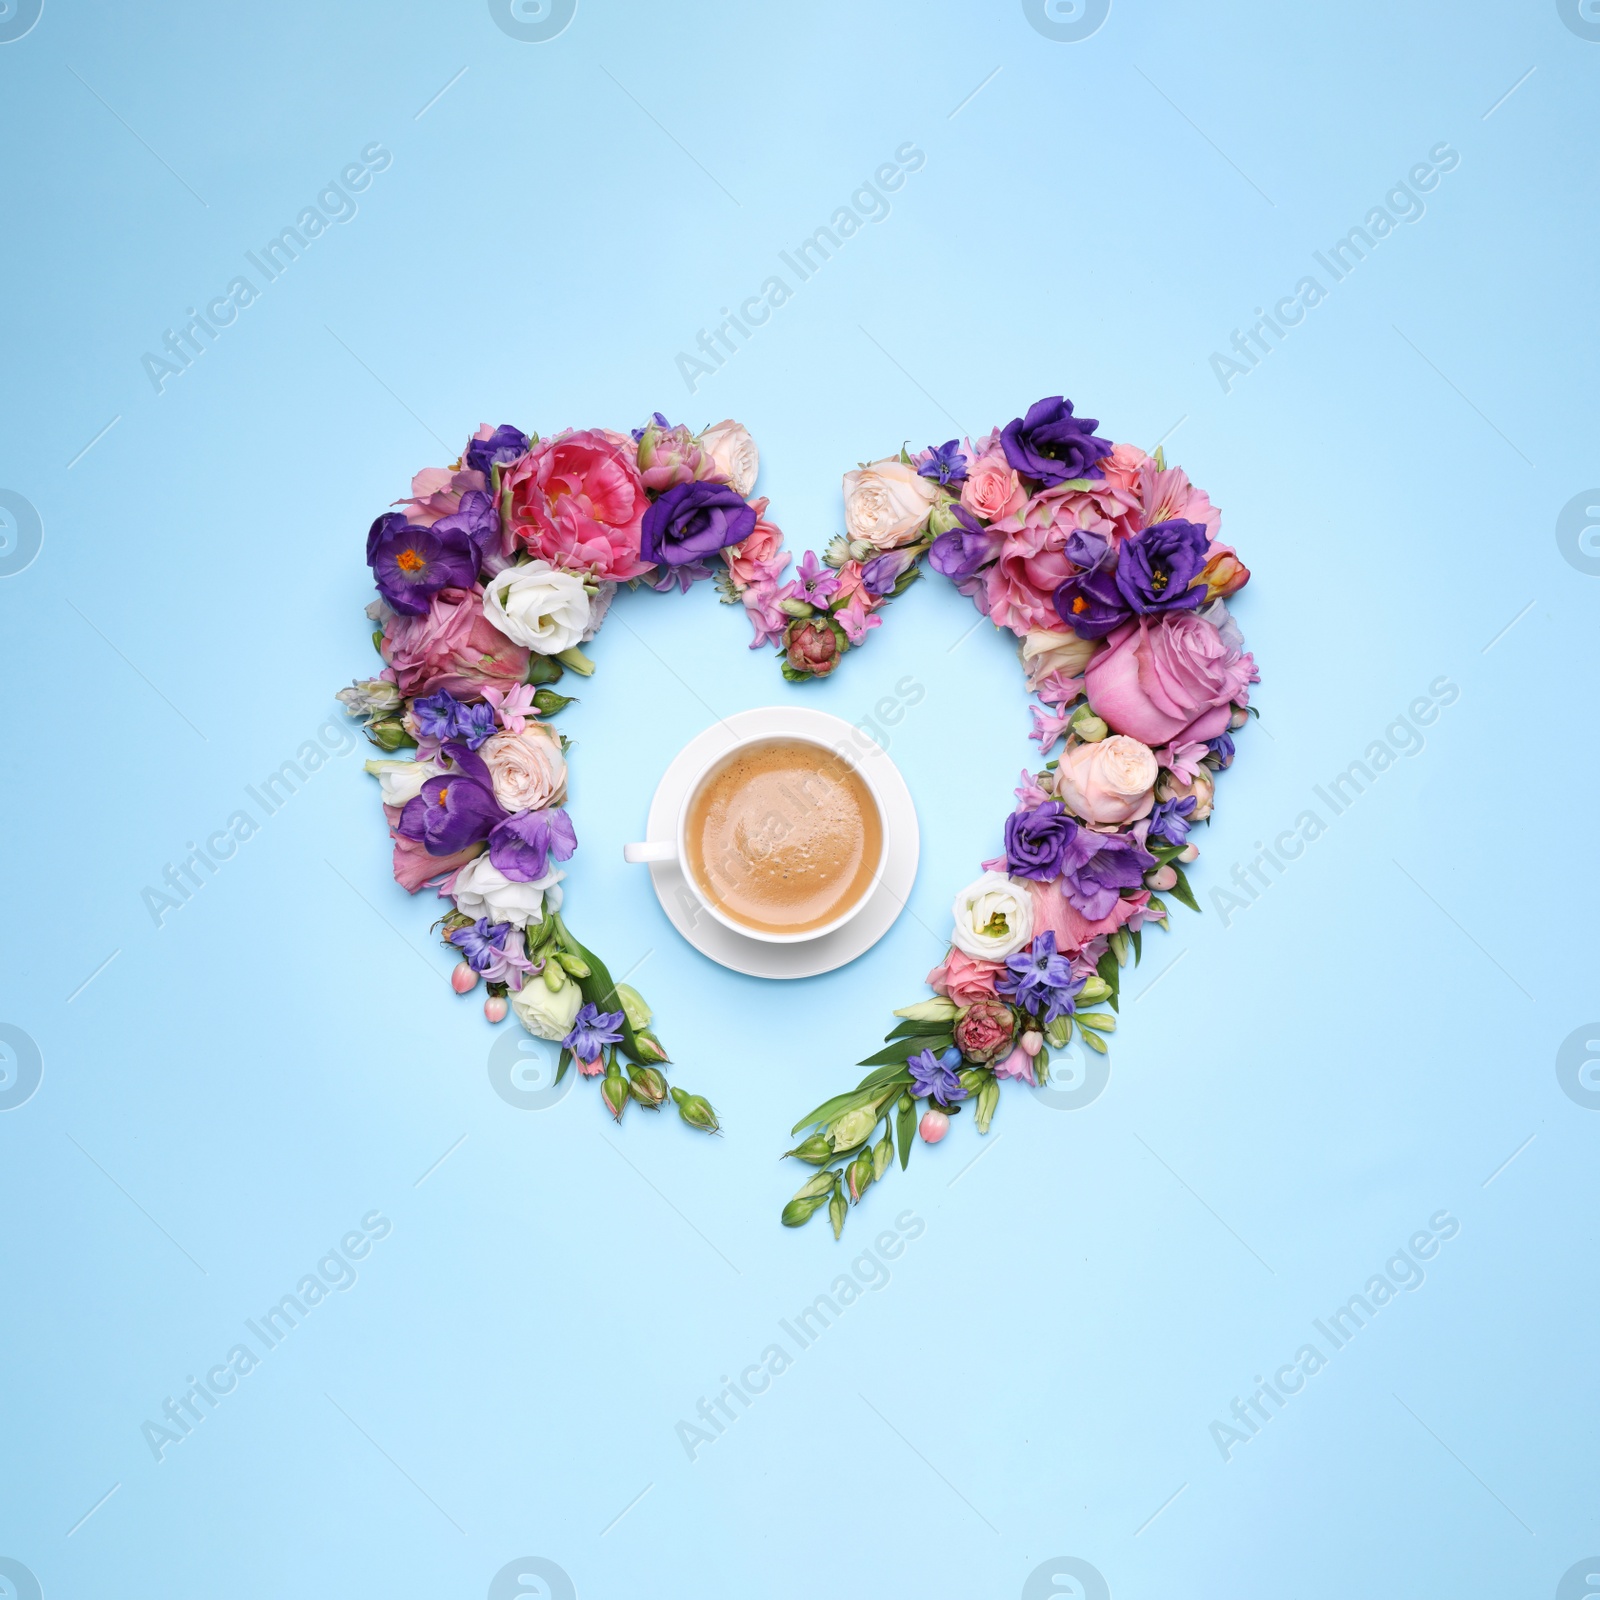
(1037, 840)
(502, 446)
(1041, 981)
(475, 723)
(944, 463)
(813, 582)
(692, 520)
(1222, 748)
(480, 945)
(441, 716)
(1098, 866)
(1091, 603)
(963, 550)
(1052, 445)
(522, 846)
(935, 1078)
(455, 809)
(592, 1030)
(1170, 820)
(476, 520)
(411, 563)
(659, 420)
(1159, 569)
(682, 578)
(882, 573)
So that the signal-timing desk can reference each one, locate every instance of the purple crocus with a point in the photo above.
(522, 846)
(592, 1030)
(1040, 980)
(935, 1077)
(693, 520)
(1037, 841)
(1170, 820)
(411, 563)
(502, 446)
(480, 945)
(1091, 603)
(455, 809)
(1159, 569)
(1098, 866)
(944, 463)
(1051, 445)
(965, 549)
(475, 520)
(882, 573)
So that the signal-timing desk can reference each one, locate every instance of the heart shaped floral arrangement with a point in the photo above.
(499, 568)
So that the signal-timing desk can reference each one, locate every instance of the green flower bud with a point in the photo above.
(988, 1102)
(1087, 725)
(853, 1127)
(633, 1006)
(882, 1155)
(647, 1086)
(1058, 1032)
(1093, 1040)
(576, 965)
(649, 1046)
(554, 978)
(816, 1187)
(1121, 946)
(696, 1111)
(548, 702)
(974, 1078)
(943, 517)
(858, 1175)
(816, 1151)
(936, 1010)
(1100, 1021)
(614, 1091)
(1094, 990)
(838, 1210)
(799, 1212)
(576, 660)
(389, 734)
(795, 608)
(541, 669)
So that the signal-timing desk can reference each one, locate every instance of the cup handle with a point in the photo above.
(655, 850)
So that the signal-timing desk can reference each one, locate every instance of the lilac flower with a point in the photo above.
(1052, 445)
(1038, 840)
(694, 520)
(592, 1030)
(944, 463)
(410, 564)
(682, 578)
(435, 716)
(882, 573)
(1158, 569)
(475, 723)
(962, 551)
(1041, 981)
(1098, 866)
(480, 944)
(522, 846)
(455, 809)
(659, 420)
(502, 446)
(813, 582)
(1170, 820)
(935, 1078)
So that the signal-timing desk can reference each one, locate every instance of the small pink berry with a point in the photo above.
(933, 1127)
(494, 1008)
(1160, 878)
(1032, 1041)
(1238, 718)
(463, 978)
(1190, 852)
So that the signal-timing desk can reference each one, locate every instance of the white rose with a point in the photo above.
(734, 453)
(546, 1015)
(886, 503)
(401, 780)
(538, 605)
(994, 917)
(482, 890)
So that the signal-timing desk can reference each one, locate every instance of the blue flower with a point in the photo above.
(480, 944)
(1170, 820)
(1041, 981)
(474, 723)
(944, 463)
(592, 1031)
(935, 1077)
(1222, 748)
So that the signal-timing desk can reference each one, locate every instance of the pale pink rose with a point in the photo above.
(1169, 494)
(453, 647)
(1120, 469)
(992, 490)
(528, 769)
(577, 501)
(1108, 783)
(964, 980)
(756, 557)
(1171, 679)
(1073, 930)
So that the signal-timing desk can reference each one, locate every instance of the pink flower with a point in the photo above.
(413, 866)
(1028, 792)
(1169, 494)
(1109, 783)
(1182, 760)
(1047, 726)
(856, 620)
(1019, 1064)
(965, 980)
(669, 456)
(1171, 679)
(1120, 469)
(513, 707)
(761, 604)
(986, 1031)
(577, 501)
(1224, 573)
(454, 647)
(1073, 931)
(436, 492)
(992, 489)
(756, 557)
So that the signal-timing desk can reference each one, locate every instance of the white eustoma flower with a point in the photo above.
(994, 917)
(538, 605)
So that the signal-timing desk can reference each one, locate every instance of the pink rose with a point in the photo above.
(577, 502)
(965, 980)
(454, 647)
(1170, 679)
(528, 770)
(1109, 783)
(992, 489)
(756, 556)
(1120, 469)
(986, 1031)
(1053, 662)
(1073, 930)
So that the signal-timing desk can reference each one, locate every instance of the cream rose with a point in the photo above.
(886, 504)
(528, 769)
(538, 605)
(733, 452)
(994, 917)
(482, 890)
(401, 781)
(546, 1015)
(1110, 782)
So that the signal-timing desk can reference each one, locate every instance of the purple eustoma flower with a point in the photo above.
(962, 551)
(934, 1077)
(1170, 820)
(411, 563)
(592, 1030)
(1041, 981)
(1159, 569)
(522, 846)
(480, 945)
(1051, 445)
(1098, 867)
(1038, 840)
(882, 573)
(502, 446)
(454, 810)
(694, 520)
(944, 463)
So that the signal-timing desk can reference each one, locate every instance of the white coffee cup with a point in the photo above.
(675, 849)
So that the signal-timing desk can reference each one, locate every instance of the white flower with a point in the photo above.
(994, 917)
(369, 697)
(546, 1015)
(482, 890)
(734, 453)
(401, 781)
(886, 504)
(538, 605)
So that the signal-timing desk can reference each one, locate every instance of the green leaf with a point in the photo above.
(911, 1046)
(1138, 945)
(883, 1076)
(1111, 973)
(601, 992)
(1182, 890)
(905, 1130)
(563, 1064)
(907, 1030)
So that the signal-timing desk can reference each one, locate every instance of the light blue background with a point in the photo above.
(1363, 1047)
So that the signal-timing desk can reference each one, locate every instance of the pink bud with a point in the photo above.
(1160, 878)
(1032, 1042)
(590, 1069)
(494, 1008)
(463, 978)
(933, 1127)
(1239, 718)
(1190, 852)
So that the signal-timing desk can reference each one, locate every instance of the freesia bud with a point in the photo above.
(1100, 1021)
(816, 1150)
(933, 1127)
(576, 965)
(633, 1006)
(1190, 852)
(554, 978)
(795, 608)
(647, 1086)
(696, 1111)
(614, 1091)
(1160, 878)
(1087, 725)
(494, 1008)
(1032, 1041)
(1094, 990)
(939, 1010)
(463, 978)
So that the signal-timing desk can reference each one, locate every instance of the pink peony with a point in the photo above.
(756, 557)
(1019, 587)
(1073, 930)
(577, 502)
(992, 490)
(986, 1031)
(1170, 679)
(668, 456)
(454, 647)
(965, 980)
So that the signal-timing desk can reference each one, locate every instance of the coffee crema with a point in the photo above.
(783, 836)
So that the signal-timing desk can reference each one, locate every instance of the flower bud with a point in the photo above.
(1100, 1021)
(647, 1086)
(614, 1091)
(933, 1127)
(974, 1078)
(1094, 990)
(389, 734)
(1088, 727)
(816, 1150)
(576, 965)
(696, 1111)
(1160, 878)
(633, 1006)
(1238, 718)
(542, 669)
(838, 1209)
(1032, 1041)
(463, 978)
(943, 518)
(799, 1212)
(838, 551)
(649, 1046)
(1058, 1033)
(882, 1155)
(937, 1010)
(1190, 852)
(858, 1175)
(850, 1129)
(988, 1101)
(494, 1008)
(576, 660)
(554, 978)
(548, 702)
(796, 608)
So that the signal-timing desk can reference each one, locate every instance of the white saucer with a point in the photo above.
(756, 957)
